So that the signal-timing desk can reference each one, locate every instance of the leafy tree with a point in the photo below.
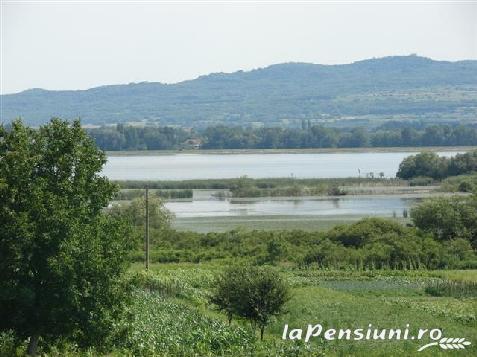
(463, 163)
(254, 293)
(127, 137)
(427, 164)
(275, 250)
(326, 254)
(447, 218)
(424, 164)
(160, 218)
(61, 258)
(226, 294)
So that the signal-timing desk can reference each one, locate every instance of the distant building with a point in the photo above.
(192, 144)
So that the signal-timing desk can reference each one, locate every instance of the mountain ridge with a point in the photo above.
(401, 85)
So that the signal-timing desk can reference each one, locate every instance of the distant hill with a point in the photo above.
(389, 87)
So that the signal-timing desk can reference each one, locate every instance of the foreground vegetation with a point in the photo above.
(72, 281)
(171, 314)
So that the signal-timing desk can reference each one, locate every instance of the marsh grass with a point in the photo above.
(452, 288)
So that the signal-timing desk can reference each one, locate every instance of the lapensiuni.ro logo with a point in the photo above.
(371, 333)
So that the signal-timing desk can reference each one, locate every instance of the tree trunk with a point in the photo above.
(262, 329)
(33, 345)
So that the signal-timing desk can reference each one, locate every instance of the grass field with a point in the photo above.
(335, 299)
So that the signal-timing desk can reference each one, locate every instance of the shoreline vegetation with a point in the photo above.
(309, 135)
(284, 188)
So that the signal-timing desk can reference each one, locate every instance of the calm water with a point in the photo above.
(383, 206)
(206, 166)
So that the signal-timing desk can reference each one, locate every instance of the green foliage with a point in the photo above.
(452, 288)
(164, 327)
(365, 231)
(429, 164)
(424, 164)
(372, 243)
(447, 218)
(276, 250)
(254, 293)
(177, 284)
(9, 344)
(61, 258)
(460, 183)
(128, 138)
(135, 213)
(248, 187)
(130, 194)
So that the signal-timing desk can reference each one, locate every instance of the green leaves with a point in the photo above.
(170, 328)
(254, 293)
(61, 258)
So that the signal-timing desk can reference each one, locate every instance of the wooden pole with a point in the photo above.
(147, 229)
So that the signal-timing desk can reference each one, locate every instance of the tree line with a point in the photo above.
(429, 164)
(124, 137)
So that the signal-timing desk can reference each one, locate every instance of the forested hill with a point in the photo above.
(389, 87)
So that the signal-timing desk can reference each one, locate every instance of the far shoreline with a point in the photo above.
(289, 151)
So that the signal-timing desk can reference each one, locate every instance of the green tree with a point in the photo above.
(427, 164)
(160, 218)
(226, 293)
(275, 251)
(447, 218)
(61, 258)
(254, 293)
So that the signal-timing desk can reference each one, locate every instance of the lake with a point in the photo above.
(306, 213)
(383, 206)
(212, 166)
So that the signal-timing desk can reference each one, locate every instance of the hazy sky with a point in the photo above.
(82, 44)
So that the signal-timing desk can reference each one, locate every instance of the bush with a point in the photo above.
(447, 218)
(8, 343)
(466, 186)
(254, 293)
(364, 231)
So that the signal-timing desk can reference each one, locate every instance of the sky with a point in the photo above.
(82, 44)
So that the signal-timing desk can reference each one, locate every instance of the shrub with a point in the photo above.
(466, 186)
(254, 293)
(447, 218)
(364, 231)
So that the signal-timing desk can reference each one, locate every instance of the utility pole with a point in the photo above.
(147, 229)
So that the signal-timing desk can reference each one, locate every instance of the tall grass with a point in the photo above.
(262, 183)
(452, 288)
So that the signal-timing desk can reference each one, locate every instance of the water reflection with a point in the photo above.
(385, 206)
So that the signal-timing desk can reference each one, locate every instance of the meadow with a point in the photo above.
(172, 315)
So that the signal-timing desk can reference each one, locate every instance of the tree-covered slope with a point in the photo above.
(409, 86)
